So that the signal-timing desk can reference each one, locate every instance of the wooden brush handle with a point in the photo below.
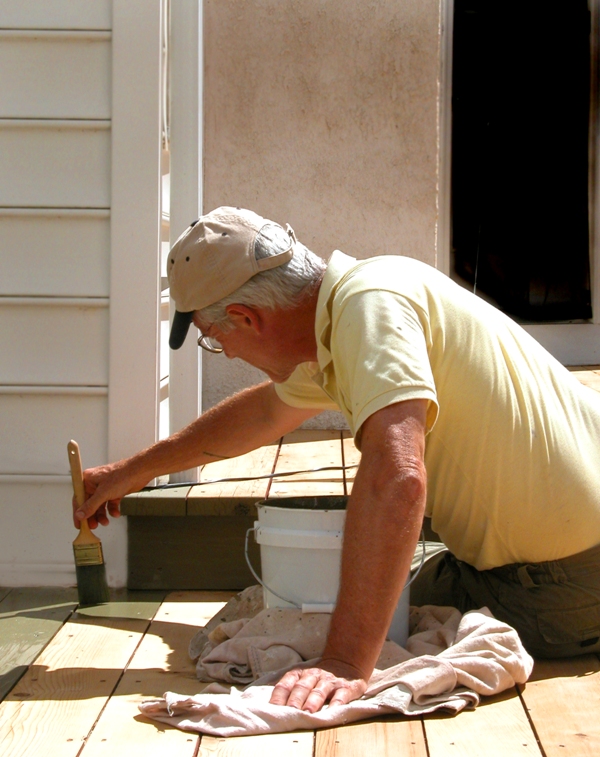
(85, 535)
(76, 472)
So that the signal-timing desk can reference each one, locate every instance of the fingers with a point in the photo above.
(104, 488)
(88, 509)
(310, 689)
(94, 510)
(294, 688)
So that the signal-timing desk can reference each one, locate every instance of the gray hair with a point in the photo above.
(281, 287)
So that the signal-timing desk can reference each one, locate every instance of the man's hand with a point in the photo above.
(310, 688)
(383, 520)
(105, 486)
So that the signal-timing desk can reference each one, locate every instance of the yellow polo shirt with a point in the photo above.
(513, 444)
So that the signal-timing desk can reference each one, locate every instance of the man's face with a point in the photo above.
(258, 347)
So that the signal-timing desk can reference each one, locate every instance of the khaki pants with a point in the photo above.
(554, 606)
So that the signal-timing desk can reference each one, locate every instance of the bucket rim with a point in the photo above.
(321, 503)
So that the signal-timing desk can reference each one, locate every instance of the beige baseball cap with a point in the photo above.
(212, 258)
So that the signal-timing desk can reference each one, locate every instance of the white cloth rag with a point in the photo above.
(449, 661)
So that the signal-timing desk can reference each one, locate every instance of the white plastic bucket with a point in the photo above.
(300, 551)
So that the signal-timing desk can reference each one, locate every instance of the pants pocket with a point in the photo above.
(580, 625)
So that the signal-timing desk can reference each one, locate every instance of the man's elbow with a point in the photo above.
(406, 482)
(410, 482)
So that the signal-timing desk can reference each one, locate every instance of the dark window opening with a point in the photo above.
(520, 124)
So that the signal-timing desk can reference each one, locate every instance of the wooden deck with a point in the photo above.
(71, 680)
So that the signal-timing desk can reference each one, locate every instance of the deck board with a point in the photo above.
(29, 618)
(563, 701)
(386, 738)
(55, 705)
(351, 458)
(299, 744)
(498, 727)
(79, 698)
(588, 375)
(220, 497)
(159, 664)
(304, 450)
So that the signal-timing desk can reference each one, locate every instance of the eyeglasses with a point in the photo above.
(209, 344)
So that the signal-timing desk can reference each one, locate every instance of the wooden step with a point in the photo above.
(192, 537)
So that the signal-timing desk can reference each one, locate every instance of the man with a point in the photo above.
(458, 413)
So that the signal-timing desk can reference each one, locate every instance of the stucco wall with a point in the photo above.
(323, 115)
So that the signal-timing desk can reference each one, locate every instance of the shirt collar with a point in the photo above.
(339, 264)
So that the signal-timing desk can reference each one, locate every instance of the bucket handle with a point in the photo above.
(295, 604)
(254, 573)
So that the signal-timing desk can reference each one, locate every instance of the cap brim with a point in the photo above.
(179, 329)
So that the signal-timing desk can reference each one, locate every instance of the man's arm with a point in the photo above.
(383, 522)
(241, 423)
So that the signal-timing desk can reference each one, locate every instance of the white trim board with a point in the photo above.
(135, 239)
(37, 574)
(186, 194)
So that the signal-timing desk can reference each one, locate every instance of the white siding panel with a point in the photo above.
(55, 76)
(53, 344)
(36, 428)
(36, 535)
(55, 14)
(54, 165)
(61, 255)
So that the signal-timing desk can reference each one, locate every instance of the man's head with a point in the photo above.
(234, 255)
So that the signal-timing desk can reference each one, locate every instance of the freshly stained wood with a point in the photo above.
(298, 744)
(125, 603)
(388, 738)
(498, 727)
(53, 708)
(29, 618)
(563, 700)
(160, 663)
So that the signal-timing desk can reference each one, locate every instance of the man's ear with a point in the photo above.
(244, 317)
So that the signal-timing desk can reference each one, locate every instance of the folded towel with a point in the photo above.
(467, 656)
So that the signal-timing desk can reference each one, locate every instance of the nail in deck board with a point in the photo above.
(388, 738)
(498, 727)
(298, 744)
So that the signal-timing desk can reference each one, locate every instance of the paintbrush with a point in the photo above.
(92, 587)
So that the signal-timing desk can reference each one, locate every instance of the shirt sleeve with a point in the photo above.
(380, 355)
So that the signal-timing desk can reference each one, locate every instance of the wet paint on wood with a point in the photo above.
(29, 618)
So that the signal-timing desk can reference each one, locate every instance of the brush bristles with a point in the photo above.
(92, 587)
